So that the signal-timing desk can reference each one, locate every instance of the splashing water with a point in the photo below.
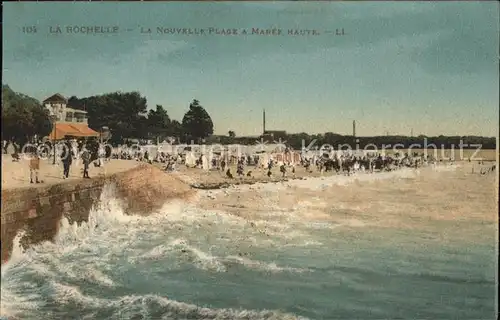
(307, 249)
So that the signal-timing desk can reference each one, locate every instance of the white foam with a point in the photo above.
(53, 259)
(342, 180)
(86, 252)
(128, 306)
(319, 183)
(66, 294)
(184, 251)
(263, 266)
(17, 254)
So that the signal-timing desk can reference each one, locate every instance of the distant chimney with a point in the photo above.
(354, 128)
(263, 121)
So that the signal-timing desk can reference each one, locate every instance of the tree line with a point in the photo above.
(127, 116)
(23, 117)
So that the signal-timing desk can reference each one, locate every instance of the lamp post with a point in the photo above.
(101, 133)
(55, 117)
(54, 124)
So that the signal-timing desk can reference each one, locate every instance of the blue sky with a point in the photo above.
(428, 66)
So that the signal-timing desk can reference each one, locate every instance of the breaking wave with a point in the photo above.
(256, 260)
(81, 256)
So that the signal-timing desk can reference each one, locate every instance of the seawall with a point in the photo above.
(38, 210)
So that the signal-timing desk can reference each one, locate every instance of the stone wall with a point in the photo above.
(38, 210)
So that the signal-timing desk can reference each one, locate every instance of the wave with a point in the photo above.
(158, 307)
(131, 306)
(86, 253)
(263, 266)
(184, 252)
(179, 232)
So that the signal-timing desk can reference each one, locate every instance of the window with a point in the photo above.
(69, 117)
(80, 117)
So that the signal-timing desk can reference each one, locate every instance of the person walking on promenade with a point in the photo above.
(67, 159)
(86, 163)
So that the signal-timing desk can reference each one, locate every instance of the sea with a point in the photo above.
(408, 244)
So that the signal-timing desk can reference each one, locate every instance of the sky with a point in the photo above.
(399, 66)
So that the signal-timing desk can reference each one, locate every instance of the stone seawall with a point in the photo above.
(38, 210)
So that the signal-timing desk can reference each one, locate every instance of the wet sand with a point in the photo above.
(368, 198)
(214, 179)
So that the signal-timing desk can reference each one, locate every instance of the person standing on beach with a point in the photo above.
(67, 159)
(223, 165)
(86, 163)
(239, 169)
(34, 166)
(5, 146)
(283, 170)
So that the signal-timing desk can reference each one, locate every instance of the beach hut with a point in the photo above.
(263, 160)
(190, 159)
(204, 162)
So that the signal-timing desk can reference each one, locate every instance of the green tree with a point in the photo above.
(159, 123)
(123, 112)
(197, 123)
(23, 117)
(176, 128)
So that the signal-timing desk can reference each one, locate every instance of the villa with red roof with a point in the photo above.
(68, 122)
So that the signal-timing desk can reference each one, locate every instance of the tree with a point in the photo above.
(231, 134)
(76, 103)
(177, 130)
(123, 112)
(159, 123)
(197, 123)
(23, 117)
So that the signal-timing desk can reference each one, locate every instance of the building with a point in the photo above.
(271, 134)
(58, 105)
(68, 122)
(275, 134)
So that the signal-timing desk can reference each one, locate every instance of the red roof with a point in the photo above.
(62, 130)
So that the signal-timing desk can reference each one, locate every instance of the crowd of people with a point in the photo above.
(338, 162)
(90, 151)
(66, 153)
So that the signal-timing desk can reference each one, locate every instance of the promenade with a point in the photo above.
(17, 174)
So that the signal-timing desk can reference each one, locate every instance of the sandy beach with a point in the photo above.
(17, 174)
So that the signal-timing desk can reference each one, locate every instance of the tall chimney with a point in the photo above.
(354, 128)
(263, 121)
